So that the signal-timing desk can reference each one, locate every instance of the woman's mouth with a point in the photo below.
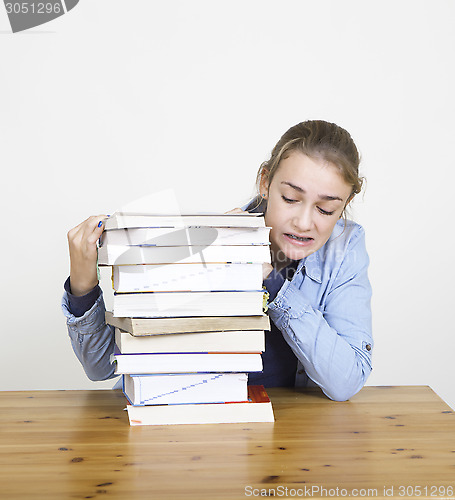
(298, 240)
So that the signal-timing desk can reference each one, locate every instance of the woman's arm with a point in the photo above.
(331, 334)
(91, 338)
(83, 305)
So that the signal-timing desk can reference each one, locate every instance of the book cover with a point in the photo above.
(185, 388)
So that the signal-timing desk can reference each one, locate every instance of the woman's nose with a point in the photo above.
(303, 220)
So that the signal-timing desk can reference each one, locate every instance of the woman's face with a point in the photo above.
(304, 201)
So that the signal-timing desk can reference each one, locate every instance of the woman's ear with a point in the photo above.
(351, 196)
(264, 185)
(343, 212)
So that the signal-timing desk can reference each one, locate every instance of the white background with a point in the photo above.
(118, 99)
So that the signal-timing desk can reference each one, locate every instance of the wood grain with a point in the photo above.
(78, 444)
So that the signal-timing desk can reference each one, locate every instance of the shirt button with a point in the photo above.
(368, 347)
(301, 372)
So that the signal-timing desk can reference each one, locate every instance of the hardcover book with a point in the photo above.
(240, 341)
(115, 255)
(187, 277)
(258, 408)
(139, 327)
(175, 236)
(188, 304)
(210, 362)
(185, 388)
(132, 220)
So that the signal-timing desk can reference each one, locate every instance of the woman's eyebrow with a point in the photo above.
(325, 197)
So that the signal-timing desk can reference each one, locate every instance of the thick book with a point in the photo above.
(172, 236)
(139, 327)
(185, 388)
(258, 408)
(210, 362)
(187, 277)
(188, 304)
(243, 341)
(131, 220)
(117, 255)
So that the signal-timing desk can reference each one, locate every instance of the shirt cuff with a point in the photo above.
(79, 305)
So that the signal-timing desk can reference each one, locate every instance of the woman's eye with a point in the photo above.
(288, 200)
(324, 212)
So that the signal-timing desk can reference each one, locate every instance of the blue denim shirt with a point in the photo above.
(323, 313)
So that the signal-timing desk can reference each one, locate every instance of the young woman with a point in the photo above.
(319, 293)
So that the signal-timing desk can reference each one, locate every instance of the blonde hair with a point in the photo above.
(318, 140)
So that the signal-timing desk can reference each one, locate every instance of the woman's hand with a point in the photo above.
(236, 211)
(83, 254)
(266, 270)
(266, 267)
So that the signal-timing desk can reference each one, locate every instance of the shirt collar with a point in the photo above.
(312, 264)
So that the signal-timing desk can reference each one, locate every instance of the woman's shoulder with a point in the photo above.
(347, 241)
(346, 231)
(344, 247)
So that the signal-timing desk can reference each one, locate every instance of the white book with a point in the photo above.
(187, 277)
(187, 304)
(213, 362)
(185, 388)
(130, 220)
(242, 341)
(257, 409)
(187, 236)
(111, 255)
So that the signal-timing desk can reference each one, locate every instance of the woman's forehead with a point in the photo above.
(305, 174)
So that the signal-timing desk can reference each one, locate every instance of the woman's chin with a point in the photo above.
(284, 256)
(293, 252)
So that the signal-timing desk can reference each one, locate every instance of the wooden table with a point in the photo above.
(386, 441)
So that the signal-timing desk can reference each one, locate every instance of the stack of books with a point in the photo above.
(188, 315)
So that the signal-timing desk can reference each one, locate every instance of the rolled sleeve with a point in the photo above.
(91, 338)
